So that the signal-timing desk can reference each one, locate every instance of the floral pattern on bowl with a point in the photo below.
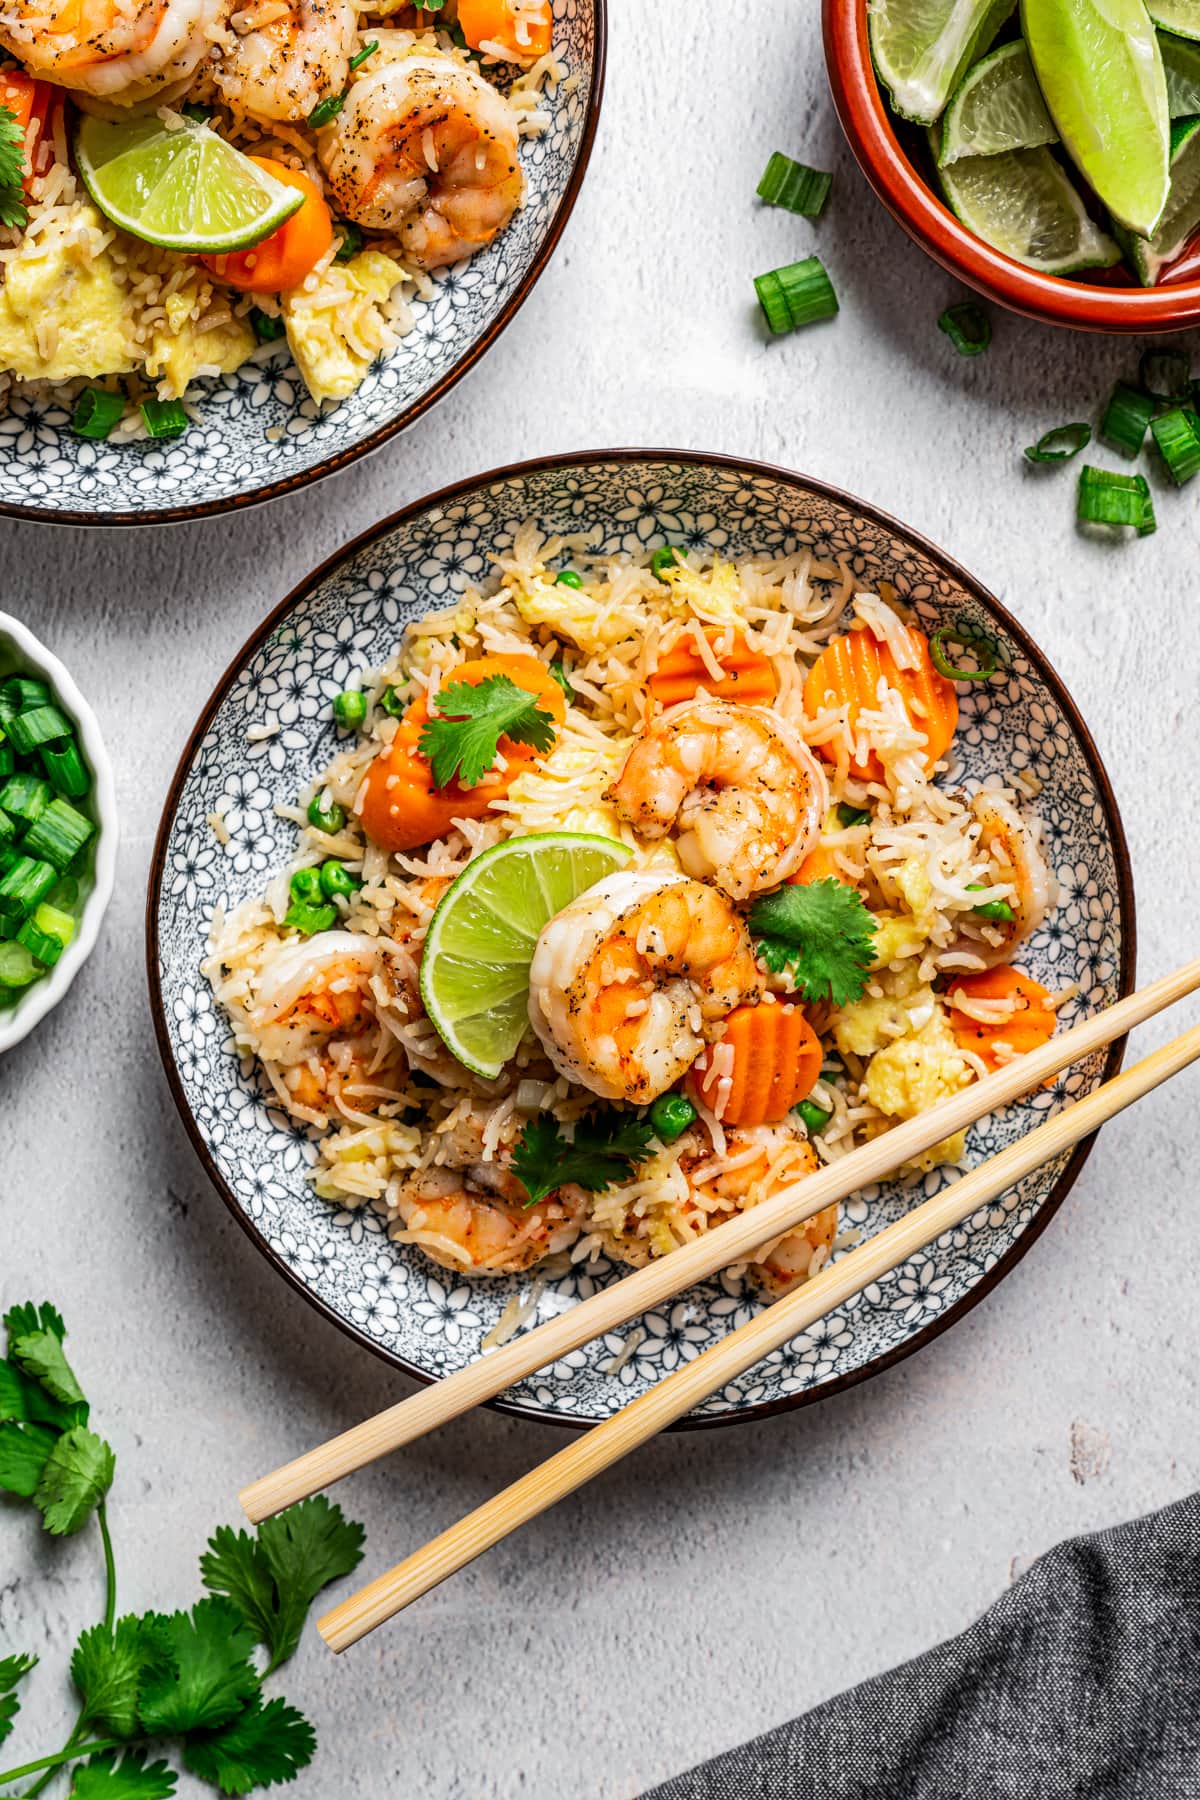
(421, 1317)
(259, 433)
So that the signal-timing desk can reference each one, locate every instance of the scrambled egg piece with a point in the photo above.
(75, 297)
(914, 1058)
(179, 346)
(901, 1007)
(335, 341)
(570, 613)
(564, 791)
(896, 938)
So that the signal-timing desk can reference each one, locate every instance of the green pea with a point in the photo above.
(350, 709)
(999, 910)
(569, 578)
(391, 703)
(305, 886)
(336, 879)
(329, 819)
(670, 1116)
(814, 1116)
(663, 559)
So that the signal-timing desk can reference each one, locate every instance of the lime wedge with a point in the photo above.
(997, 106)
(1181, 66)
(1020, 202)
(1100, 70)
(922, 47)
(184, 189)
(1150, 256)
(1182, 16)
(481, 939)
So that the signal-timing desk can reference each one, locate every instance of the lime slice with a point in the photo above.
(184, 189)
(1100, 70)
(997, 106)
(1182, 16)
(1020, 202)
(922, 47)
(1181, 66)
(481, 939)
(1150, 256)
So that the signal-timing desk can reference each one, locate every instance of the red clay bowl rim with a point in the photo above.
(1054, 299)
(565, 464)
(334, 464)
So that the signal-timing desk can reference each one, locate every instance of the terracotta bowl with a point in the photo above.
(1102, 304)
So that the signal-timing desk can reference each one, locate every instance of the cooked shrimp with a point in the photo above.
(627, 980)
(290, 55)
(119, 53)
(755, 1164)
(426, 148)
(744, 794)
(1018, 862)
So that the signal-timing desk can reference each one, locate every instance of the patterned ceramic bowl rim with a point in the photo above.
(632, 458)
(43, 996)
(333, 465)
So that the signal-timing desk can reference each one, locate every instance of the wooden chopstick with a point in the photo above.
(734, 1241)
(605, 1444)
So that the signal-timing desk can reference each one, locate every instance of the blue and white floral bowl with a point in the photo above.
(349, 615)
(259, 434)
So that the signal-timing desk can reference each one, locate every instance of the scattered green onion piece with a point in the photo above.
(8, 828)
(24, 885)
(1109, 499)
(968, 328)
(360, 56)
(814, 1116)
(1178, 441)
(1061, 444)
(1165, 374)
(328, 819)
(58, 834)
(391, 703)
(308, 919)
(8, 761)
(40, 725)
(64, 893)
(568, 578)
(794, 186)
(563, 679)
(268, 328)
(26, 796)
(999, 910)
(670, 1116)
(848, 816)
(24, 692)
(352, 240)
(326, 111)
(981, 649)
(350, 709)
(664, 558)
(797, 294)
(47, 933)
(17, 967)
(65, 769)
(336, 879)
(429, 5)
(96, 412)
(305, 885)
(1127, 418)
(165, 418)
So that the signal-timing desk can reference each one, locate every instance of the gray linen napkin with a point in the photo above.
(1082, 1682)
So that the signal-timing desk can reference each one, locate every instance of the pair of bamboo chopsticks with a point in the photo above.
(732, 1242)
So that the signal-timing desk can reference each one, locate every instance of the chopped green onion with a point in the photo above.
(1178, 442)
(794, 186)
(8, 828)
(24, 885)
(165, 418)
(352, 240)
(814, 1116)
(308, 919)
(47, 933)
(568, 578)
(24, 692)
(305, 884)
(795, 295)
(336, 880)
(360, 56)
(26, 796)
(670, 1116)
(1127, 418)
(968, 328)
(999, 910)
(17, 967)
(1109, 499)
(1166, 374)
(1061, 444)
(350, 709)
(848, 816)
(327, 110)
(40, 725)
(8, 761)
(65, 892)
(328, 819)
(664, 558)
(563, 679)
(58, 834)
(96, 412)
(65, 769)
(391, 703)
(268, 328)
(981, 649)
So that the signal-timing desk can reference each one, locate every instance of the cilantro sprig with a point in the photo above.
(13, 211)
(820, 934)
(462, 739)
(192, 1676)
(604, 1147)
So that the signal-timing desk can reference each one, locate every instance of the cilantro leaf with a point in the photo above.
(821, 935)
(19, 1321)
(12, 170)
(41, 1355)
(104, 1778)
(77, 1474)
(462, 739)
(110, 1667)
(26, 1400)
(24, 1452)
(263, 1745)
(274, 1580)
(12, 1670)
(603, 1150)
(212, 1677)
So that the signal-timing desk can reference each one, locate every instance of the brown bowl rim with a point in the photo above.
(446, 497)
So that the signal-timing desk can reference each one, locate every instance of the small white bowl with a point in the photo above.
(43, 995)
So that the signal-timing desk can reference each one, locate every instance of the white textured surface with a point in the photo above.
(725, 1580)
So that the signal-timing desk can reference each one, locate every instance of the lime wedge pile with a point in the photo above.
(182, 189)
(1151, 255)
(1182, 16)
(481, 939)
(921, 48)
(1021, 203)
(998, 106)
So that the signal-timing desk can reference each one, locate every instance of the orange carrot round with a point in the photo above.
(776, 1060)
(280, 262)
(29, 102)
(748, 675)
(398, 803)
(1030, 1025)
(523, 28)
(847, 673)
